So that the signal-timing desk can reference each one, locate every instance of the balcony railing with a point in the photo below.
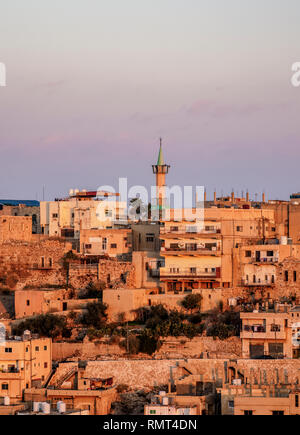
(264, 260)
(257, 283)
(190, 250)
(190, 272)
(187, 230)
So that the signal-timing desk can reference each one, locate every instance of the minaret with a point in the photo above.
(160, 170)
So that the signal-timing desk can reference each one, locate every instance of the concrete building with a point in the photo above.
(267, 333)
(24, 361)
(15, 228)
(20, 209)
(81, 211)
(77, 392)
(29, 303)
(112, 242)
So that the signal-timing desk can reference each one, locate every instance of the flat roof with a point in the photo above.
(16, 202)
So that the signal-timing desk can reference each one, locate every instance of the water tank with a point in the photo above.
(6, 400)
(36, 406)
(165, 401)
(283, 240)
(61, 407)
(46, 408)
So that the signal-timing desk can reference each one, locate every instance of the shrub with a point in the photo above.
(191, 302)
(96, 315)
(46, 325)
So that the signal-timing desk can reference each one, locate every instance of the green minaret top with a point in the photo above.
(160, 160)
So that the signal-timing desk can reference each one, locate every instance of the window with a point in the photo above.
(286, 275)
(37, 348)
(45, 347)
(152, 411)
(88, 246)
(277, 412)
(104, 243)
(150, 238)
(4, 386)
(275, 328)
(231, 404)
(50, 262)
(45, 365)
(28, 302)
(54, 215)
(295, 276)
(239, 229)
(247, 254)
(113, 246)
(8, 350)
(43, 262)
(248, 412)
(296, 401)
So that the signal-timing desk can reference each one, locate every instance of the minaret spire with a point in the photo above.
(160, 170)
(160, 160)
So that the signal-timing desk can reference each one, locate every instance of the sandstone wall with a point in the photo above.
(172, 347)
(140, 374)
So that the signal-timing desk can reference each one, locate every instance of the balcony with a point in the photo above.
(258, 283)
(185, 230)
(189, 272)
(190, 251)
(264, 260)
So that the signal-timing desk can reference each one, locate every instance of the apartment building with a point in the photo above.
(192, 256)
(111, 242)
(81, 211)
(193, 396)
(267, 333)
(276, 402)
(77, 392)
(24, 361)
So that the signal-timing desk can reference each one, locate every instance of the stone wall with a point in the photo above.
(139, 374)
(172, 347)
(32, 263)
(113, 273)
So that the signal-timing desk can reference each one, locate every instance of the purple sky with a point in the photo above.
(91, 86)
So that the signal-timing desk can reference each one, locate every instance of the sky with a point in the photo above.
(92, 86)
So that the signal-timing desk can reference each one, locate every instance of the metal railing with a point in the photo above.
(188, 272)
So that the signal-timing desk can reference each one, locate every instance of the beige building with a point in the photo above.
(30, 303)
(81, 211)
(77, 392)
(111, 242)
(24, 362)
(17, 228)
(267, 333)
(23, 210)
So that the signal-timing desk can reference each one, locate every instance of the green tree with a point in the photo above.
(96, 315)
(191, 302)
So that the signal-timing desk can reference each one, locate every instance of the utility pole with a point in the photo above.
(127, 339)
